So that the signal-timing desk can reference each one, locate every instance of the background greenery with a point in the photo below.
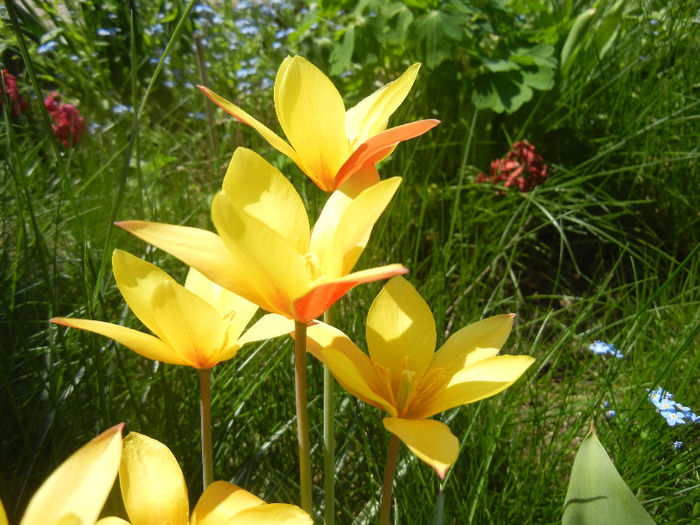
(607, 248)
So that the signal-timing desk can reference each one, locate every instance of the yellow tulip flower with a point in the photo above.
(198, 325)
(403, 376)
(265, 250)
(328, 143)
(76, 491)
(154, 492)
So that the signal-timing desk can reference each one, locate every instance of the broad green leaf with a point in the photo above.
(538, 77)
(597, 494)
(575, 38)
(501, 92)
(434, 31)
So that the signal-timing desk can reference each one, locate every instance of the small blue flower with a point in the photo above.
(601, 348)
(47, 47)
(677, 445)
(118, 109)
(673, 418)
(610, 414)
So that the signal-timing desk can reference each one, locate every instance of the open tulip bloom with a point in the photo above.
(265, 250)
(403, 376)
(198, 325)
(328, 143)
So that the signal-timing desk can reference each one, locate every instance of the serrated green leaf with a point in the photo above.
(497, 66)
(539, 78)
(500, 91)
(434, 31)
(597, 494)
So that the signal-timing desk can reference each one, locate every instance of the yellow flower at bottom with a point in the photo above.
(154, 492)
(406, 378)
(76, 491)
(198, 325)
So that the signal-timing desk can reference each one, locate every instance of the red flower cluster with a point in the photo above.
(68, 125)
(522, 167)
(17, 103)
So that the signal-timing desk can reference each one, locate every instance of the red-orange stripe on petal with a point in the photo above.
(375, 148)
(322, 296)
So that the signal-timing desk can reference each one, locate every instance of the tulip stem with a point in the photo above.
(328, 438)
(302, 415)
(391, 460)
(205, 411)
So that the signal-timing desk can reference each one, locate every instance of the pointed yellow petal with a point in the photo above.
(267, 327)
(312, 115)
(268, 262)
(344, 225)
(401, 330)
(380, 146)
(260, 190)
(371, 115)
(152, 485)
(232, 307)
(481, 380)
(146, 345)
(220, 502)
(354, 372)
(198, 248)
(270, 136)
(137, 279)
(79, 487)
(273, 514)
(191, 326)
(430, 440)
(325, 293)
(473, 343)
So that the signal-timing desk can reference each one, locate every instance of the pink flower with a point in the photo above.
(522, 167)
(17, 103)
(68, 125)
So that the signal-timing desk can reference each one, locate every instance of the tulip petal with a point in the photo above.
(136, 280)
(269, 263)
(270, 136)
(473, 343)
(3, 516)
(192, 326)
(232, 307)
(371, 115)
(325, 293)
(220, 502)
(355, 373)
(198, 248)
(401, 330)
(152, 485)
(267, 327)
(143, 344)
(344, 226)
(260, 190)
(379, 146)
(360, 180)
(312, 115)
(478, 381)
(430, 440)
(273, 514)
(79, 487)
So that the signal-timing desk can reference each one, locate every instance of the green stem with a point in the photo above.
(391, 460)
(302, 415)
(328, 437)
(205, 411)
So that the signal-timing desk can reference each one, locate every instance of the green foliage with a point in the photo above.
(604, 249)
(597, 495)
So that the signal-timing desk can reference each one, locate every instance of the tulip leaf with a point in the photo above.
(597, 495)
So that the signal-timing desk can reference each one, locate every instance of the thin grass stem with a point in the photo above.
(328, 437)
(391, 459)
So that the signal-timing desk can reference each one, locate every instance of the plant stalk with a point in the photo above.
(205, 411)
(328, 438)
(391, 460)
(302, 415)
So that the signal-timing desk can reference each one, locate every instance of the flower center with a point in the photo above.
(313, 265)
(406, 390)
